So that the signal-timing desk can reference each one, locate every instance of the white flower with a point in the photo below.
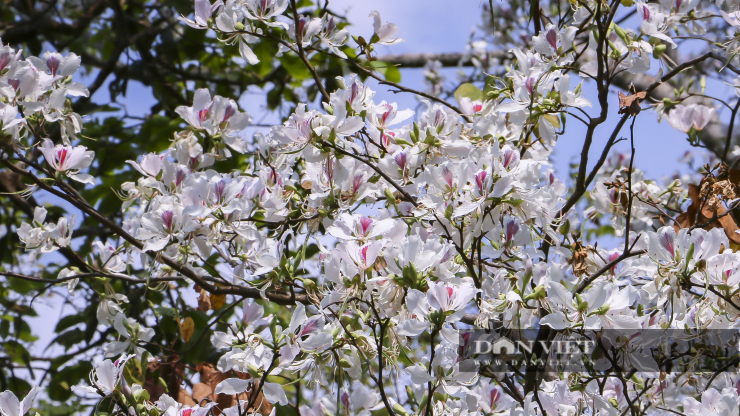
(653, 21)
(387, 114)
(69, 160)
(151, 164)
(109, 259)
(264, 10)
(105, 377)
(56, 64)
(359, 227)
(109, 308)
(384, 32)
(550, 42)
(733, 18)
(10, 406)
(684, 118)
(132, 333)
(203, 12)
(45, 237)
(217, 115)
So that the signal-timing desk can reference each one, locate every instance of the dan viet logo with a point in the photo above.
(499, 351)
(596, 350)
(505, 346)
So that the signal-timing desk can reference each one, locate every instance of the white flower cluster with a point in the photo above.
(416, 224)
(38, 86)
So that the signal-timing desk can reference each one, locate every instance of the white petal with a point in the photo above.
(9, 404)
(274, 392)
(76, 89)
(299, 317)
(419, 374)
(156, 244)
(556, 321)
(39, 214)
(247, 53)
(28, 400)
(233, 386)
(411, 327)
(82, 177)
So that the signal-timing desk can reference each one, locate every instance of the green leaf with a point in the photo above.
(389, 72)
(69, 321)
(470, 91)
(295, 67)
(392, 74)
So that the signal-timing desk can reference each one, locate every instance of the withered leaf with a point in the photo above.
(688, 218)
(204, 300)
(171, 372)
(210, 377)
(631, 103)
(217, 301)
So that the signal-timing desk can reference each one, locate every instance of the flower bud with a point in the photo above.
(658, 50)
(399, 409)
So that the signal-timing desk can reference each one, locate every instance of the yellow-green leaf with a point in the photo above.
(187, 327)
(470, 91)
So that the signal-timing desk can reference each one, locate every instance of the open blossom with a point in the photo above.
(219, 115)
(684, 118)
(387, 114)
(552, 42)
(151, 164)
(443, 303)
(304, 334)
(173, 408)
(109, 307)
(69, 160)
(131, 333)
(9, 116)
(653, 21)
(360, 227)
(105, 378)
(42, 237)
(471, 107)
(332, 36)
(11, 406)
(384, 32)
(203, 11)
(602, 306)
(264, 10)
(57, 65)
(358, 96)
(273, 392)
(363, 256)
(110, 259)
(159, 228)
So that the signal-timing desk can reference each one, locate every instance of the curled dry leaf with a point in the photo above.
(689, 218)
(165, 377)
(204, 299)
(209, 301)
(631, 103)
(210, 377)
(171, 373)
